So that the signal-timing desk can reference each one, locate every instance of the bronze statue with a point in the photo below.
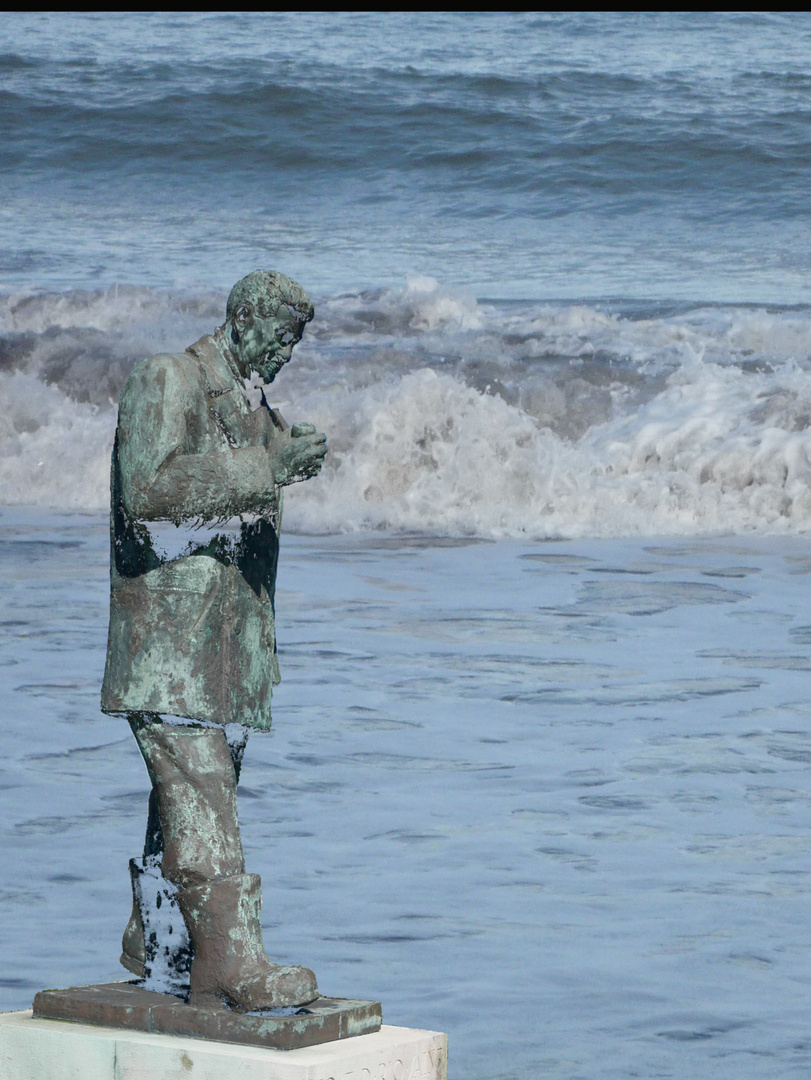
(191, 658)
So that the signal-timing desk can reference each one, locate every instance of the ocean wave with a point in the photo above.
(54, 451)
(453, 416)
(475, 105)
(558, 155)
(717, 449)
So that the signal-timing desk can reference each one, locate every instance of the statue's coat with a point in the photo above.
(193, 636)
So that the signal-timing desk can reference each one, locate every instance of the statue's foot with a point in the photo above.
(273, 986)
(230, 963)
(132, 944)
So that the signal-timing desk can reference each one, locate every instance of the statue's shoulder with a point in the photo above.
(165, 376)
(165, 369)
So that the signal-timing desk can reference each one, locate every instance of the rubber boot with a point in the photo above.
(230, 962)
(133, 948)
(194, 779)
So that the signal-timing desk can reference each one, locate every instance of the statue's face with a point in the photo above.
(265, 341)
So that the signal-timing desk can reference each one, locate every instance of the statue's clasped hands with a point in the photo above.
(299, 453)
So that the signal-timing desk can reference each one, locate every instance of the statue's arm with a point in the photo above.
(164, 477)
(208, 487)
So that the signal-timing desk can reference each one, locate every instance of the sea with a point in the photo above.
(540, 774)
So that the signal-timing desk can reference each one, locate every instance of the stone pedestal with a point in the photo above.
(61, 1050)
(128, 1005)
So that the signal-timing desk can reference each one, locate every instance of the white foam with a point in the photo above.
(53, 451)
(453, 416)
(715, 450)
(125, 307)
(433, 307)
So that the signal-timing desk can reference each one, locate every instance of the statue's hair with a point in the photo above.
(265, 291)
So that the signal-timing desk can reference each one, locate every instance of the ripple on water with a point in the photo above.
(636, 694)
(754, 658)
(750, 848)
(492, 675)
(613, 802)
(708, 753)
(732, 571)
(778, 800)
(48, 690)
(652, 597)
(699, 1030)
(362, 718)
(548, 626)
(75, 761)
(578, 860)
(553, 559)
(419, 764)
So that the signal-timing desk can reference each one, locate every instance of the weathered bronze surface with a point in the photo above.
(127, 1005)
(196, 480)
(193, 635)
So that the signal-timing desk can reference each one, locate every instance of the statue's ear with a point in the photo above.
(243, 316)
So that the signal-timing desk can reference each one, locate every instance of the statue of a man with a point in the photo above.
(191, 657)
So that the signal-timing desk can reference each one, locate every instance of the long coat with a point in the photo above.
(193, 635)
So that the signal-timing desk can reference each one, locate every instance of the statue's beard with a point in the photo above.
(268, 367)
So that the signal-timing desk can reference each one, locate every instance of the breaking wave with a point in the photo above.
(453, 416)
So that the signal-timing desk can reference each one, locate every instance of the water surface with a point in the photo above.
(551, 798)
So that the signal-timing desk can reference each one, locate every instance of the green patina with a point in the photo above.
(196, 506)
(194, 635)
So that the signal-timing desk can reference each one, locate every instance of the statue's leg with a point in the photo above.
(132, 943)
(155, 946)
(195, 779)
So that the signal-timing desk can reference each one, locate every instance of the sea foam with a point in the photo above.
(453, 416)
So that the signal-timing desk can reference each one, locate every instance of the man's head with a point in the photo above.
(264, 318)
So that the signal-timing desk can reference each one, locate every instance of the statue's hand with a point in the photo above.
(298, 454)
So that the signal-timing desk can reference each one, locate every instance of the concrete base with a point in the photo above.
(59, 1050)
